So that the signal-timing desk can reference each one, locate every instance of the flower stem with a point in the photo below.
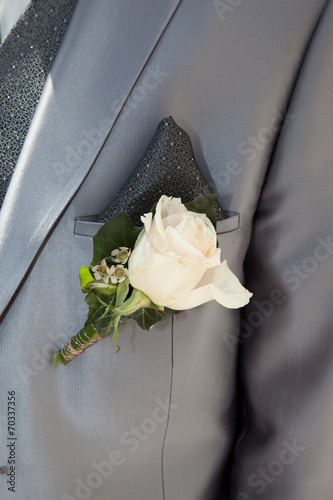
(115, 333)
(83, 339)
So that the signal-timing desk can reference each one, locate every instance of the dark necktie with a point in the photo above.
(26, 57)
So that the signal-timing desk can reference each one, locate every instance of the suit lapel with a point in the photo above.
(92, 76)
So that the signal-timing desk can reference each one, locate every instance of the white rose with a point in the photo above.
(176, 263)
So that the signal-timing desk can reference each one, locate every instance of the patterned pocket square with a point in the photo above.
(167, 167)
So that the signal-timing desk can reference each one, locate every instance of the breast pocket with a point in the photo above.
(229, 224)
(89, 225)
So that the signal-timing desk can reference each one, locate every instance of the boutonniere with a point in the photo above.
(169, 265)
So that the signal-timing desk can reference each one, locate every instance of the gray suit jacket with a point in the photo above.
(9, 13)
(209, 405)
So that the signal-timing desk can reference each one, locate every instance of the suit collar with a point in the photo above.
(92, 76)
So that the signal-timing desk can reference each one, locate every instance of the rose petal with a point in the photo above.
(164, 278)
(170, 206)
(219, 284)
(165, 208)
(146, 219)
(156, 231)
(141, 253)
(195, 231)
(189, 252)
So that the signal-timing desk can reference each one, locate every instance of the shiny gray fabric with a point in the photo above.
(10, 11)
(177, 414)
(26, 57)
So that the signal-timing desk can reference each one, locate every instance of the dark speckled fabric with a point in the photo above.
(26, 57)
(167, 167)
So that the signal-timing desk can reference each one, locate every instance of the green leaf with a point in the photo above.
(147, 317)
(93, 303)
(105, 322)
(117, 232)
(85, 276)
(204, 204)
(122, 292)
(59, 359)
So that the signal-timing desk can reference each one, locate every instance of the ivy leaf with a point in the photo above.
(118, 232)
(106, 322)
(204, 204)
(173, 311)
(93, 303)
(97, 300)
(147, 317)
